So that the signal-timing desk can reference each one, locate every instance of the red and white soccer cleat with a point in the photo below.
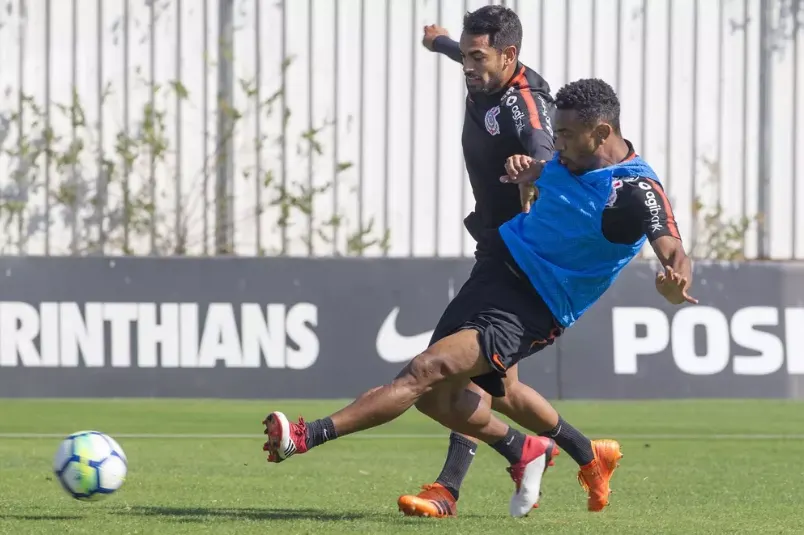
(285, 438)
(537, 456)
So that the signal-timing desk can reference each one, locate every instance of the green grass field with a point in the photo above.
(689, 467)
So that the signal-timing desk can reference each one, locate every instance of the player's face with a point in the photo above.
(484, 65)
(575, 141)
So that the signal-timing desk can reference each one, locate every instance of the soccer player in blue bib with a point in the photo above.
(598, 203)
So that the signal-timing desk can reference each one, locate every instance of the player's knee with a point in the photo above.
(426, 370)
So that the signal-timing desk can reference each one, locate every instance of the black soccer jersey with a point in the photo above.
(515, 120)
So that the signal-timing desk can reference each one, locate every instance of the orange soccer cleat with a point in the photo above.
(434, 501)
(595, 476)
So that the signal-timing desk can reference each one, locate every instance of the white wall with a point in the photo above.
(721, 144)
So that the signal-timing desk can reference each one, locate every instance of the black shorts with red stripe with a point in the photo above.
(499, 303)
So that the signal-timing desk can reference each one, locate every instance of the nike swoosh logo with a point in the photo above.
(394, 347)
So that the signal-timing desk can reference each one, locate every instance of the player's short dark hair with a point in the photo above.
(593, 100)
(501, 24)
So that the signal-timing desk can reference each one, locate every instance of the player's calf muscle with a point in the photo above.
(439, 403)
(526, 407)
(433, 402)
(461, 409)
(383, 404)
(472, 416)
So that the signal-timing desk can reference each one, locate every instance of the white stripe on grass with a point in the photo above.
(403, 436)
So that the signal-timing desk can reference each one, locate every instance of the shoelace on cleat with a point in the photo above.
(434, 494)
(593, 472)
(429, 487)
(298, 429)
(435, 490)
(517, 472)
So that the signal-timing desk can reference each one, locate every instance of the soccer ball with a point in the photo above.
(90, 465)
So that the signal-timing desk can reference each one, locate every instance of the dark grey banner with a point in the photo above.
(745, 338)
(323, 328)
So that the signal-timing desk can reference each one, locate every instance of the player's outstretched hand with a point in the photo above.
(522, 169)
(673, 286)
(430, 33)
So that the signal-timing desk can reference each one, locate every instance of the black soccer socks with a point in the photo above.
(572, 441)
(460, 455)
(320, 431)
(511, 446)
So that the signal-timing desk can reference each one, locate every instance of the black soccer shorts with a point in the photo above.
(499, 303)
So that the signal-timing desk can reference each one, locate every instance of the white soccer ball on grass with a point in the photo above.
(90, 465)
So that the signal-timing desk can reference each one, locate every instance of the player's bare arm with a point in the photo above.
(674, 283)
(659, 225)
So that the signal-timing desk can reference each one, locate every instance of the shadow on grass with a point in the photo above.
(204, 514)
(40, 517)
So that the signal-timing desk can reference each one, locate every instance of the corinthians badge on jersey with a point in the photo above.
(492, 126)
